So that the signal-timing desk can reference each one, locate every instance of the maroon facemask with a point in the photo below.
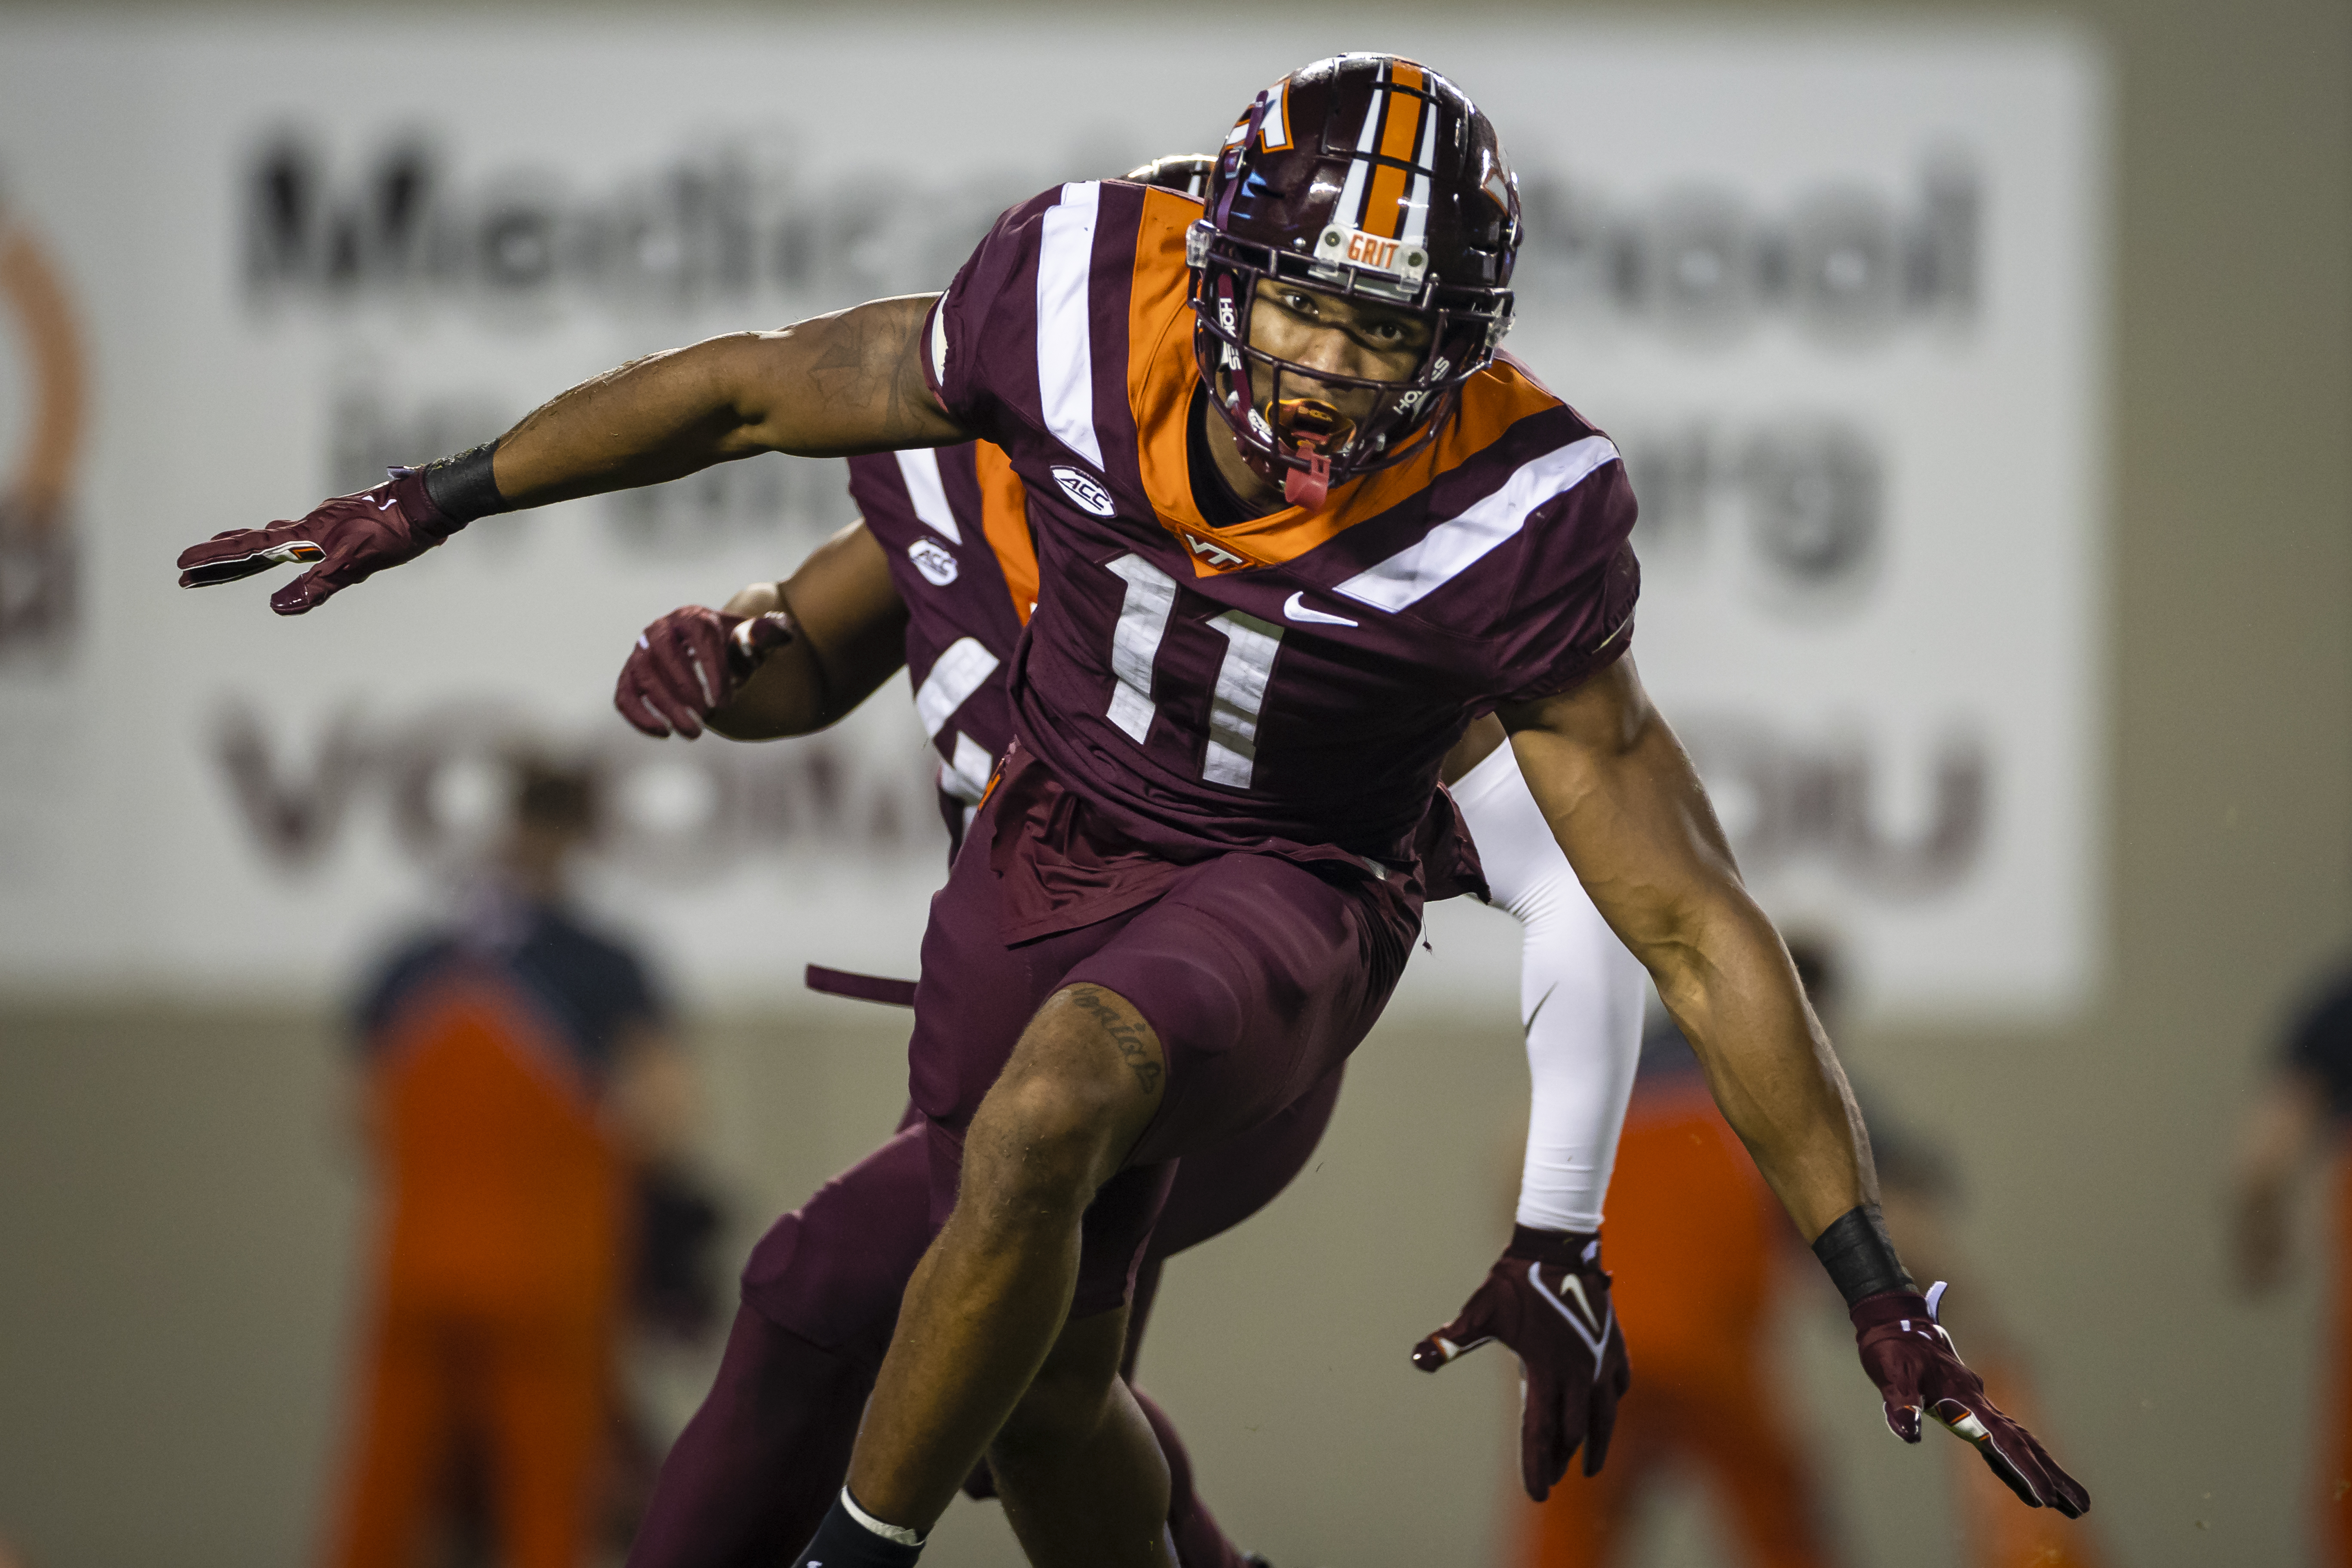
(1372, 179)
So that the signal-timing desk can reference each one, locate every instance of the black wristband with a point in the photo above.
(1859, 1256)
(1561, 1248)
(462, 486)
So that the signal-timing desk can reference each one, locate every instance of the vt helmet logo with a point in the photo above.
(36, 554)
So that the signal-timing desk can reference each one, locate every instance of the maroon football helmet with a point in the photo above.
(1372, 178)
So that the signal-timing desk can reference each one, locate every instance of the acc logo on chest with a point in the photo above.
(937, 567)
(1084, 489)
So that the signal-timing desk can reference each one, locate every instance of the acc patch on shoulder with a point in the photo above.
(937, 564)
(1084, 489)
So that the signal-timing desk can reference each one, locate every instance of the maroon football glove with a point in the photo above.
(690, 663)
(351, 538)
(1548, 1299)
(1912, 1360)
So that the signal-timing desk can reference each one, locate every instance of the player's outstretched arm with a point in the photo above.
(832, 387)
(779, 658)
(1632, 819)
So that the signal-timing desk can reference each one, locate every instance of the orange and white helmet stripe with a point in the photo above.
(1387, 192)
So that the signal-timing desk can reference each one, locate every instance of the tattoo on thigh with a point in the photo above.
(1133, 1044)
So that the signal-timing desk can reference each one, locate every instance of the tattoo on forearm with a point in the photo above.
(911, 390)
(1134, 1045)
(838, 371)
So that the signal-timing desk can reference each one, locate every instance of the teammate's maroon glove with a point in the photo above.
(1548, 1299)
(351, 538)
(1912, 1360)
(690, 663)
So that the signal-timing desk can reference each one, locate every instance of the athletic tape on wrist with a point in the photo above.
(897, 1532)
(462, 486)
(1860, 1256)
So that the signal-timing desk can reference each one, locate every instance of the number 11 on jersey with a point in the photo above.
(1229, 752)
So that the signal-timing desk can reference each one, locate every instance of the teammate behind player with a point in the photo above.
(1216, 826)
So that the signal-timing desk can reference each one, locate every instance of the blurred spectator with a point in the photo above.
(1698, 1248)
(519, 1074)
(2302, 1109)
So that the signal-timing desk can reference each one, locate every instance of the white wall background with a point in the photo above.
(1838, 292)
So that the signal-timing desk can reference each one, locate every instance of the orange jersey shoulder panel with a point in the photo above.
(1004, 518)
(1160, 366)
(1162, 373)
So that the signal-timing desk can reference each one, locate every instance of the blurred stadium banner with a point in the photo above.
(1839, 293)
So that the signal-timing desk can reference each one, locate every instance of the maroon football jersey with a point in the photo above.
(955, 527)
(1291, 682)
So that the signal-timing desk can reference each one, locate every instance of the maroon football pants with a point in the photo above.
(755, 1471)
(1258, 974)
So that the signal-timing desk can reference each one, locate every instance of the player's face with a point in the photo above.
(1347, 337)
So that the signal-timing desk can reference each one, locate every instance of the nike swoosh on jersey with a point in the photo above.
(1294, 608)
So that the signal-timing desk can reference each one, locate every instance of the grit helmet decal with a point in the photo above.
(1371, 177)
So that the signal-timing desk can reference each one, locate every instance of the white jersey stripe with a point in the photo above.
(919, 467)
(1451, 548)
(966, 778)
(961, 670)
(1065, 360)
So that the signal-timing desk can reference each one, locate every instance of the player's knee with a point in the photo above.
(1079, 1091)
(1038, 1147)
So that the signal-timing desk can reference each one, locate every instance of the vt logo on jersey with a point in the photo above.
(1084, 489)
(1217, 555)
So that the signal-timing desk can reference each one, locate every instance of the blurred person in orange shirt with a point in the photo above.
(2299, 1115)
(1696, 1246)
(519, 1072)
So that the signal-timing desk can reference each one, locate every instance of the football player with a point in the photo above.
(944, 552)
(1297, 523)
